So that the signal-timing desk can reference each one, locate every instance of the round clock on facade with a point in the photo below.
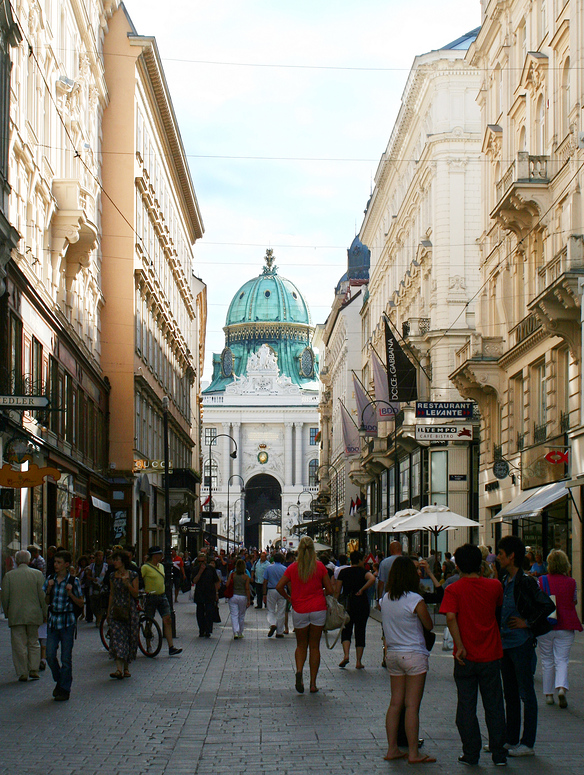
(307, 363)
(227, 362)
(263, 457)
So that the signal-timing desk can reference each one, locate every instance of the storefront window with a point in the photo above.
(384, 478)
(37, 516)
(439, 477)
(404, 482)
(416, 478)
(391, 491)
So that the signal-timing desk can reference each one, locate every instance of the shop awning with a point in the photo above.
(532, 502)
(101, 505)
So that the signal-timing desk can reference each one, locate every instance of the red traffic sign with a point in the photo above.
(555, 456)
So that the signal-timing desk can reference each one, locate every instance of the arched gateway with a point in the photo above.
(263, 497)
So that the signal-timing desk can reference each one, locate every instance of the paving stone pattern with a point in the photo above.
(227, 707)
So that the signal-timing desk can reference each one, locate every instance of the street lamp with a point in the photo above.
(311, 502)
(328, 466)
(232, 455)
(241, 498)
(291, 506)
(167, 552)
(233, 476)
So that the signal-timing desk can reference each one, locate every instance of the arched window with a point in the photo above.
(498, 92)
(211, 469)
(540, 126)
(565, 97)
(312, 469)
(523, 139)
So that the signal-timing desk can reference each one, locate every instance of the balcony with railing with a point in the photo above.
(497, 452)
(415, 327)
(522, 193)
(564, 422)
(557, 304)
(476, 365)
(521, 441)
(539, 433)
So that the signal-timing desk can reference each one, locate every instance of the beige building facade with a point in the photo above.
(523, 365)
(154, 318)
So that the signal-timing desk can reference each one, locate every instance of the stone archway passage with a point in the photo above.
(262, 493)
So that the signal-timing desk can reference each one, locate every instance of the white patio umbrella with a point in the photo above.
(434, 519)
(388, 525)
(318, 547)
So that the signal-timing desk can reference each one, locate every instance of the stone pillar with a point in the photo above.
(299, 476)
(288, 459)
(227, 450)
(237, 463)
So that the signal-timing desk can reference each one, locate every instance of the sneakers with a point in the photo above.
(521, 750)
(468, 761)
(272, 630)
(23, 678)
(174, 652)
(62, 696)
(562, 698)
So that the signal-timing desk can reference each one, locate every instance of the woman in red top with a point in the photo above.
(554, 647)
(304, 585)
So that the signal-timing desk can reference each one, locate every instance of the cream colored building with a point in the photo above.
(523, 365)
(421, 225)
(155, 312)
(50, 322)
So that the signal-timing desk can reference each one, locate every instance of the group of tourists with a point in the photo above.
(501, 610)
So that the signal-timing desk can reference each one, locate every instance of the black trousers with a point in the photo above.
(259, 590)
(359, 616)
(205, 615)
(486, 677)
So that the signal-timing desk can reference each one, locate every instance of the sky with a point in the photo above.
(313, 87)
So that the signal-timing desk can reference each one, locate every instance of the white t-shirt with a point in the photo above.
(402, 627)
(338, 569)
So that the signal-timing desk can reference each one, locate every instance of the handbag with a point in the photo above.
(216, 615)
(429, 639)
(553, 617)
(229, 588)
(336, 616)
(120, 613)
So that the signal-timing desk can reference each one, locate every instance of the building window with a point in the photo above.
(313, 435)
(539, 403)
(211, 474)
(210, 436)
(312, 469)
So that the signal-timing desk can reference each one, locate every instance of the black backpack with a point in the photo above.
(77, 609)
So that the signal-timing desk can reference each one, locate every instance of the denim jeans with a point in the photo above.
(62, 673)
(517, 669)
(469, 678)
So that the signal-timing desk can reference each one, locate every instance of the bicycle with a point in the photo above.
(149, 632)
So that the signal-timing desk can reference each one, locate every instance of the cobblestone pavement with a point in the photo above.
(228, 706)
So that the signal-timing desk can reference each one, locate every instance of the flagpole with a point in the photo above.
(408, 346)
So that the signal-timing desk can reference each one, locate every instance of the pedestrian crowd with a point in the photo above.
(501, 611)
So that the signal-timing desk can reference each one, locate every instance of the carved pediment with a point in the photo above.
(534, 71)
(493, 141)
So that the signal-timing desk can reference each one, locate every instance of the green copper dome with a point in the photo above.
(268, 298)
(267, 310)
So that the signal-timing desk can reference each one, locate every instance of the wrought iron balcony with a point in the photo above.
(497, 451)
(564, 422)
(415, 327)
(520, 441)
(539, 433)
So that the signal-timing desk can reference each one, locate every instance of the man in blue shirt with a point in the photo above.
(519, 658)
(62, 592)
(257, 577)
(275, 603)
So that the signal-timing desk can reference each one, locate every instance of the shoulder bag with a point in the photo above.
(545, 585)
(336, 619)
(229, 588)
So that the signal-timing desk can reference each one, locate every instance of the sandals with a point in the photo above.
(117, 674)
(393, 758)
(344, 662)
(127, 674)
(299, 683)
(423, 760)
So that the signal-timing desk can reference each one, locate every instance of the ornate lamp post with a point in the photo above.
(328, 466)
(167, 549)
(241, 498)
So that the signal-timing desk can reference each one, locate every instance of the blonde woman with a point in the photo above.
(554, 647)
(305, 584)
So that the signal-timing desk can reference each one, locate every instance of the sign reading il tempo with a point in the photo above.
(23, 402)
(455, 410)
(443, 432)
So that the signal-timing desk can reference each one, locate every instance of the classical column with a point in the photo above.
(299, 477)
(226, 460)
(237, 463)
(288, 460)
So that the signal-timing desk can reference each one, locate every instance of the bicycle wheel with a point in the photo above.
(104, 632)
(149, 636)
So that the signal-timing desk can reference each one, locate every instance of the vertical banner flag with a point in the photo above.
(401, 374)
(350, 433)
(366, 410)
(384, 412)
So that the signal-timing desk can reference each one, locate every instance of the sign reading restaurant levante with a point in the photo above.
(455, 410)
(24, 402)
(443, 432)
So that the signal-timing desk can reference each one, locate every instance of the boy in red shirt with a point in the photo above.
(470, 605)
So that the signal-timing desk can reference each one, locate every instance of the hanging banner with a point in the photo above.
(366, 410)
(351, 437)
(386, 410)
(401, 374)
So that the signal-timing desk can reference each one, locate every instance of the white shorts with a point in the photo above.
(406, 662)
(318, 618)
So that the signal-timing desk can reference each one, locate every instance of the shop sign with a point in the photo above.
(459, 410)
(151, 466)
(444, 432)
(501, 469)
(31, 478)
(23, 402)
(555, 457)
(119, 526)
(544, 463)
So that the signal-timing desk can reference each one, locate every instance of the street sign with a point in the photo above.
(454, 410)
(185, 529)
(23, 402)
(444, 432)
(501, 469)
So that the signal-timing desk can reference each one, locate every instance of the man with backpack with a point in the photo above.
(64, 597)
(523, 618)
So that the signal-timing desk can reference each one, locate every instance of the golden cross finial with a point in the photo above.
(269, 258)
